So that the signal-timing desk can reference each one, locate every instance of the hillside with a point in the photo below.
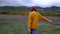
(24, 8)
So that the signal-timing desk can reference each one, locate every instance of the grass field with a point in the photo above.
(17, 24)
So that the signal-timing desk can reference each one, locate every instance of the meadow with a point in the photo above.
(17, 24)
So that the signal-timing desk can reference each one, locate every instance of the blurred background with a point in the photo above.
(14, 16)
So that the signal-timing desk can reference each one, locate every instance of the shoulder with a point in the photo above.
(37, 12)
(30, 12)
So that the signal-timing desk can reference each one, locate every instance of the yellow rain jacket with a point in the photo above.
(33, 19)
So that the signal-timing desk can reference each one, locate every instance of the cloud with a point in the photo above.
(47, 3)
(29, 3)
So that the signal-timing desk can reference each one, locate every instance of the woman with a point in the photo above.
(33, 19)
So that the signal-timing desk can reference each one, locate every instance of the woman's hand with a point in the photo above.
(50, 21)
(29, 30)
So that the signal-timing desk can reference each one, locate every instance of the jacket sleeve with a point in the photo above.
(29, 21)
(43, 18)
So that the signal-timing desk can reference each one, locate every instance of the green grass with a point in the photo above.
(48, 29)
(19, 28)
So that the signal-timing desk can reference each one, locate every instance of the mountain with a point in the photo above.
(24, 8)
(13, 8)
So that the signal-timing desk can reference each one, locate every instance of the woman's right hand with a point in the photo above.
(29, 30)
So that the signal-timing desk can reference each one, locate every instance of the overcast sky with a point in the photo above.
(29, 3)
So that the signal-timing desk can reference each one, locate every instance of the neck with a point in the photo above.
(33, 11)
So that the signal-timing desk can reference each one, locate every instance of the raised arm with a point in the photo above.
(44, 18)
